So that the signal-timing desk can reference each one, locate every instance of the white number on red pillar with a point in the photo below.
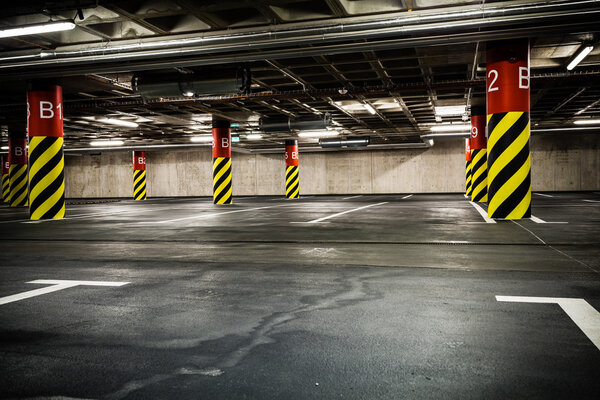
(474, 132)
(493, 88)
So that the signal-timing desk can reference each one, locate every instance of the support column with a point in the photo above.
(46, 160)
(139, 175)
(468, 167)
(221, 161)
(17, 157)
(478, 153)
(292, 176)
(5, 180)
(509, 163)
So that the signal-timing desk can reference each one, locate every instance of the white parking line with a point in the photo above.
(39, 221)
(315, 221)
(209, 215)
(352, 197)
(592, 201)
(537, 220)
(482, 212)
(580, 311)
(542, 194)
(56, 286)
(406, 197)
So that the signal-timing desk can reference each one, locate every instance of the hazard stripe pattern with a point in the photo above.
(509, 165)
(46, 178)
(292, 182)
(222, 180)
(5, 188)
(18, 185)
(479, 175)
(468, 178)
(139, 185)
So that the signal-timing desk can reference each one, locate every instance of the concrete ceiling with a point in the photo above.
(402, 84)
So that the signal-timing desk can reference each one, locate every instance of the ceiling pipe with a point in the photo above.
(291, 124)
(414, 26)
(350, 141)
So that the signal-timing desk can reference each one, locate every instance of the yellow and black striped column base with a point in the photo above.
(5, 188)
(18, 185)
(479, 175)
(46, 178)
(509, 166)
(139, 185)
(468, 177)
(222, 180)
(292, 182)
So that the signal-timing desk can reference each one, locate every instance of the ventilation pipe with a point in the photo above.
(290, 124)
(152, 86)
(350, 141)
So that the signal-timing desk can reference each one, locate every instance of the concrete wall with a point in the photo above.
(558, 164)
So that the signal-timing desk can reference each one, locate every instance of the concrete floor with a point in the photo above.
(361, 297)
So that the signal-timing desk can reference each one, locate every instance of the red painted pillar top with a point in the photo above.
(507, 65)
(17, 147)
(468, 149)
(45, 111)
(291, 153)
(5, 165)
(221, 138)
(478, 118)
(139, 160)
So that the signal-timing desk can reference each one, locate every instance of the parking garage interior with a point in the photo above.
(364, 199)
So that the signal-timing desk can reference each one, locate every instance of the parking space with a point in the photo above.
(324, 297)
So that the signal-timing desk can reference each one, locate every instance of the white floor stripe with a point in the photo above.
(406, 197)
(580, 311)
(39, 221)
(315, 221)
(56, 286)
(542, 194)
(537, 220)
(592, 201)
(482, 212)
(352, 197)
(210, 215)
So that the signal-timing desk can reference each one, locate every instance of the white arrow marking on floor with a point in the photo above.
(581, 312)
(56, 286)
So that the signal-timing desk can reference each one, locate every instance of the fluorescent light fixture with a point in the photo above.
(37, 28)
(370, 109)
(446, 111)
(201, 127)
(201, 139)
(235, 139)
(451, 128)
(106, 143)
(4, 148)
(317, 134)
(254, 136)
(580, 55)
(188, 94)
(118, 122)
(587, 122)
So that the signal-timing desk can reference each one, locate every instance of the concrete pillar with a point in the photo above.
(139, 175)
(468, 175)
(221, 161)
(46, 160)
(478, 152)
(509, 163)
(292, 181)
(5, 180)
(17, 157)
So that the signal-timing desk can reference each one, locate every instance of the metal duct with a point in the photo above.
(540, 16)
(350, 141)
(290, 124)
(150, 86)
